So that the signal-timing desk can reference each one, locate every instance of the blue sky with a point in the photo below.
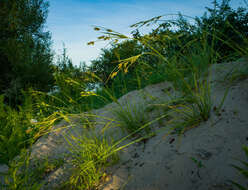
(71, 21)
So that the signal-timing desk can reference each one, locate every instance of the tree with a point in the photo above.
(25, 53)
(228, 27)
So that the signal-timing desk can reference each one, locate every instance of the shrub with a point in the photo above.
(17, 130)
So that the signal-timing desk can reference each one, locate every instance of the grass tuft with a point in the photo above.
(131, 117)
(90, 156)
(243, 171)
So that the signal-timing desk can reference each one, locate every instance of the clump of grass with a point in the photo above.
(237, 73)
(24, 173)
(42, 167)
(201, 99)
(131, 117)
(90, 156)
(181, 114)
(186, 118)
(19, 175)
(243, 171)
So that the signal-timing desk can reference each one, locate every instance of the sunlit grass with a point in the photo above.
(90, 156)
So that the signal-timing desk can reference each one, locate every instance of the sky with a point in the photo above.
(72, 21)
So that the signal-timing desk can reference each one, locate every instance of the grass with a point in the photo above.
(192, 81)
(19, 175)
(243, 171)
(44, 167)
(24, 173)
(201, 99)
(189, 80)
(90, 156)
(88, 121)
(237, 74)
(183, 113)
(131, 117)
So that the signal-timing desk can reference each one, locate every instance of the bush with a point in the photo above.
(17, 130)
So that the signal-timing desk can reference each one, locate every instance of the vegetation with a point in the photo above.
(243, 171)
(17, 130)
(19, 175)
(132, 117)
(90, 156)
(25, 53)
(32, 102)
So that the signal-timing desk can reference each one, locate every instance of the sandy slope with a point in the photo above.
(165, 162)
(216, 143)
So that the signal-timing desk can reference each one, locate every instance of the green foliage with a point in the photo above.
(108, 61)
(184, 55)
(70, 83)
(24, 173)
(90, 155)
(237, 73)
(227, 27)
(17, 130)
(175, 51)
(200, 98)
(188, 72)
(243, 171)
(198, 163)
(188, 111)
(189, 75)
(109, 58)
(132, 117)
(140, 73)
(41, 168)
(19, 175)
(25, 54)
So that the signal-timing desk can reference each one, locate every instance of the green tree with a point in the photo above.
(25, 54)
(227, 26)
